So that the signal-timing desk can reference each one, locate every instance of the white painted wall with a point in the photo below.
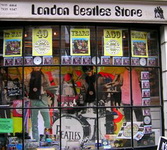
(164, 71)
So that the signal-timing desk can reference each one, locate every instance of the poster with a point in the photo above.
(80, 42)
(162, 144)
(139, 44)
(42, 42)
(6, 125)
(126, 131)
(113, 42)
(12, 45)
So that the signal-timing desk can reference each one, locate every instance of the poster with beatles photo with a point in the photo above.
(76, 60)
(145, 92)
(18, 61)
(80, 42)
(105, 60)
(47, 60)
(145, 84)
(12, 43)
(66, 60)
(135, 61)
(125, 61)
(145, 75)
(8, 61)
(86, 60)
(117, 60)
(139, 44)
(28, 60)
(152, 61)
(146, 101)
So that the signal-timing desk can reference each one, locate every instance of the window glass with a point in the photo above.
(150, 131)
(80, 86)
(42, 85)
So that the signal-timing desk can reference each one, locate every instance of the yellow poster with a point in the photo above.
(112, 42)
(42, 42)
(12, 44)
(139, 44)
(80, 42)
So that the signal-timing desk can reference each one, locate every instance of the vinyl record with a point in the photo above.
(143, 61)
(94, 60)
(37, 60)
(147, 120)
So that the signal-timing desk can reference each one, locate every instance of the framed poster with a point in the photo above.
(139, 44)
(112, 42)
(42, 42)
(12, 43)
(80, 42)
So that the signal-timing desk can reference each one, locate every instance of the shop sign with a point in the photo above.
(82, 11)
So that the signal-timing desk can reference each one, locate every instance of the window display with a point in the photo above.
(80, 87)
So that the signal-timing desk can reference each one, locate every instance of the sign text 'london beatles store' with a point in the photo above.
(88, 11)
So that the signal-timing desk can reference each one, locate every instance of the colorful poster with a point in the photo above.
(6, 125)
(80, 41)
(12, 45)
(113, 42)
(42, 42)
(139, 44)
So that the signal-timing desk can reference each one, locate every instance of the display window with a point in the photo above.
(80, 86)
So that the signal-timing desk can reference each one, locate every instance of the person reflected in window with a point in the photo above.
(36, 83)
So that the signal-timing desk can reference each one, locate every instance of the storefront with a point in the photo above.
(80, 75)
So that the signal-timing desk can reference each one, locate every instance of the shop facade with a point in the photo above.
(80, 75)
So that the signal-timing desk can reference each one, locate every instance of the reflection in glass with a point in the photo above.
(151, 124)
(113, 128)
(11, 83)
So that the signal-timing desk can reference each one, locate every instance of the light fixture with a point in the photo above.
(25, 35)
(124, 36)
